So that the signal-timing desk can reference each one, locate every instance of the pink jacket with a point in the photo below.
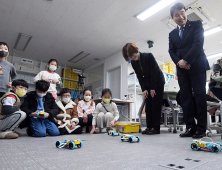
(87, 105)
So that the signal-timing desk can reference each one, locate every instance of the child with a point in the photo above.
(10, 114)
(103, 115)
(51, 77)
(35, 103)
(68, 116)
(85, 109)
(6, 70)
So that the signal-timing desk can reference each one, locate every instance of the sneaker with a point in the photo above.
(98, 130)
(145, 131)
(108, 129)
(84, 129)
(8, 135)
(19, 134)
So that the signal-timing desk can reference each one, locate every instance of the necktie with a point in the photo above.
(181, 33)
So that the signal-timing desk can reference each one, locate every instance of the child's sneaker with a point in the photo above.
(84, 129)
(108, 129)
(8, 135)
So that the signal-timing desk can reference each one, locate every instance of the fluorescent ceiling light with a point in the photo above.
(212, 31)
(154, 9)
(215, 55)
(22, 41)
(79, 57)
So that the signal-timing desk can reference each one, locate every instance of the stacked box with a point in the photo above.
(67, 83)
(66, 73)
(75, 76)
(73, 84)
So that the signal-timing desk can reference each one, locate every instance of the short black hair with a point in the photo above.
(106, 91)
(51, 60)
(3, 43)
(65, 90)
(176, 6)
(42, 85)
(20, 82)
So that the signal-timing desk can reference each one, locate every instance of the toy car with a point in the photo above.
(130, 138)
(113, 133)
(41, 113)
(208, 146)
(69, 144)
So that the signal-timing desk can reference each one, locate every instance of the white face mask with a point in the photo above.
(87, 98)
(52, 68)
(66, 100)
(41, 95)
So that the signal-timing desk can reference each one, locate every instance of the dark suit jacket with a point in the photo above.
(190, 48)
(151, 76)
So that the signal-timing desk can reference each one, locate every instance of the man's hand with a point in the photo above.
(9, 85)
(112, 123)
(152, 93)
(55, 81)
(183, 64)
(73, 125)
(146, 94)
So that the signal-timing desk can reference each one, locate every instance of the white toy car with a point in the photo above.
(113, 133)
(130, 138)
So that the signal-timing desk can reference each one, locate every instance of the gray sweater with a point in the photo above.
(7, 70)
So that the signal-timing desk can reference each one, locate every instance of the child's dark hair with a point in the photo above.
(3, 43)
(42, 85)
(177, 6)
(51, 60)
(92, 101)
(20, 82)
(65, 90)
(106, 91)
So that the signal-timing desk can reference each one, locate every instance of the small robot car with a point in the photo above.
(208, 146)
(113, 133)
(69, 144)
(130, 138)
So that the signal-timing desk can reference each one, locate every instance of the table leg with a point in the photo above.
(174, 114)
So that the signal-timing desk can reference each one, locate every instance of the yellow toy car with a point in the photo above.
(69, 144)
(41, 113)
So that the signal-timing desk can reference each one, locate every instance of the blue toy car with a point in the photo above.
(208, 146)
(69, 144)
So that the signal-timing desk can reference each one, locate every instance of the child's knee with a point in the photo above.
(109, 115)
(101, 114)
(23, 115)
(54, 132)
(39, 134)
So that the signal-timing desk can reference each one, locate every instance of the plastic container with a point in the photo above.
(127, 127)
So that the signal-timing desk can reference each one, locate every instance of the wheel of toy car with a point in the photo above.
(108, 133)
(118, 133)
(138, 139)
(71, 145)
(215, 148)
(113, 133)
(209, 134)
(194, 146)
(122, 139)
(58, 143)
(131, 139)
(80, 145)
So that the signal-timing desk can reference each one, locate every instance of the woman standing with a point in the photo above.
(152, 82)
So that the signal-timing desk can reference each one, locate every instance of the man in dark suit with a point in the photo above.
(186, 50)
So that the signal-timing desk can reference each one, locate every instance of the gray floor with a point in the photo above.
(101, 151)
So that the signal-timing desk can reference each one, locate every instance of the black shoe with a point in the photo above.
(145, 131)
(28, 131)
(152, 132)
(199, 134)
(188, 133)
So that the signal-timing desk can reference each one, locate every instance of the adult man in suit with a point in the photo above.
(186, 50)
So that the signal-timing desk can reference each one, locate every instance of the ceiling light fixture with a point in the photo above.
(154, 9)
(79, 57)
(215, 55)
(22, 41)
(212, 31)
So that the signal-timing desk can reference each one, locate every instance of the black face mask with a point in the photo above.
(3, 54)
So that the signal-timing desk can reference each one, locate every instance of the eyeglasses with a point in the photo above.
(66, 96)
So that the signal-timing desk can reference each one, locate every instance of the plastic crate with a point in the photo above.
(127, 127)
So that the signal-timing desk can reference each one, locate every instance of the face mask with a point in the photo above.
(87, 98)
(52, 68)
(3, 54)
(106, 100)
(20, 93)
(66, 100)
(41, 95)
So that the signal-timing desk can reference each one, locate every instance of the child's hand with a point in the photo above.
(55, 81)
(93, 129)
(85, 118)
(9, 85)
(73, 125)
(34, 114)
(46, 115)
(112, 122)
(47, 80)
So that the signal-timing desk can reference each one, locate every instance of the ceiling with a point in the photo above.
(61, 30)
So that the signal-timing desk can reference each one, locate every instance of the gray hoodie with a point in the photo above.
(7, 70)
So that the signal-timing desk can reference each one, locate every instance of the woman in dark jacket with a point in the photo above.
(152, 82)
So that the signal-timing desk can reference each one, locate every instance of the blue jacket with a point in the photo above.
(190, 48)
